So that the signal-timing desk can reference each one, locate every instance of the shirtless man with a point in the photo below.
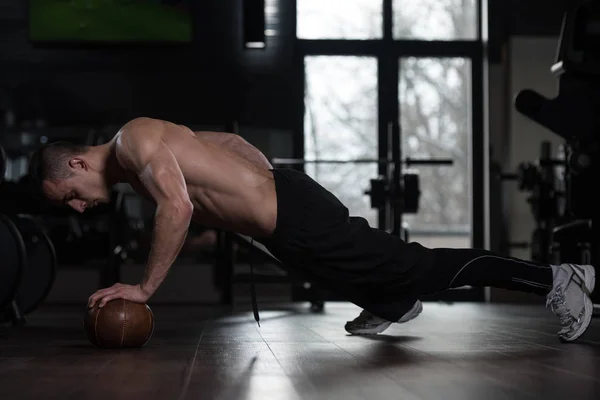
(192, 178)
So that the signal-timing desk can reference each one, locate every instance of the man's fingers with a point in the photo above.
(102, 292)
(108, 298)
(103, 296)
(94, 298)
(100, 295)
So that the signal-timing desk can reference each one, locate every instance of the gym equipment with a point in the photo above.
(412, 192)
(546, 199)
(38, 270)
(119, 324)
(408, 192)
(407, 161)
(12, 254)
(573, 115)
(571, 241)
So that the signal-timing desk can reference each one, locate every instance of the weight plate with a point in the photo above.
(411, 193)
(40, 267)
(12, 259)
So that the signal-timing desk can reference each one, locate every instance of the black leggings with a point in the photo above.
(454, 268)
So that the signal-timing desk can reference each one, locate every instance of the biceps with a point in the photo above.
(163, 179)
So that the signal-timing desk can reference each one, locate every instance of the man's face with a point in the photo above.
(82, 190)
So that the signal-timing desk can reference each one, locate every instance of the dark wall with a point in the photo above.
(537, 17)
(523, 18)
(212, 81)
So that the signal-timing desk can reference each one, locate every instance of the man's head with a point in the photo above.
(70, 174)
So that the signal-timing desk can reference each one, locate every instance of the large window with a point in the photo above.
(339, 19)
(435, 19)
(340, 123)
(363, 19)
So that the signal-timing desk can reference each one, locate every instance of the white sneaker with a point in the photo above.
(369, 324)
(570, 299)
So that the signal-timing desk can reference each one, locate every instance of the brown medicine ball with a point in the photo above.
(119, 324)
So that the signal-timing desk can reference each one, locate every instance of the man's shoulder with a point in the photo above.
(140, 125)
(137, 140)
(140, 131)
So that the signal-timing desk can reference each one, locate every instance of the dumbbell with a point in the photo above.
(38, 270)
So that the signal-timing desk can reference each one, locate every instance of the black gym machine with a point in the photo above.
(565, 207)
(544, 181)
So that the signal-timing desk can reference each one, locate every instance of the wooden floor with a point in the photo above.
(460, 351)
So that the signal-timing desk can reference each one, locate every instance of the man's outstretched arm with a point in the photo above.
(163, 179)
(159, 173)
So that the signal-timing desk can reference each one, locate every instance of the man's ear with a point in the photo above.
(78, 163)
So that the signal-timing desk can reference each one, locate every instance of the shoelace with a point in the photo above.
(253, 288)
(558, 305)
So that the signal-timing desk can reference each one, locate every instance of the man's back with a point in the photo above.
(226, 190)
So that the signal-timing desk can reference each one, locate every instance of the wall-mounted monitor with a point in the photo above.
(110, 21)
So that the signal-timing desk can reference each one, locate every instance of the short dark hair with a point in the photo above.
(51, 161)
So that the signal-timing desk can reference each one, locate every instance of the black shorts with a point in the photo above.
(316, 238)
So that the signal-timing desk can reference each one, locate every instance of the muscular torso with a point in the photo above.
(227, 191)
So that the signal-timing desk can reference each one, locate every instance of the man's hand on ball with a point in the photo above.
(118, 291)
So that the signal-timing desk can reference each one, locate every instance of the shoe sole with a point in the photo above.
(589, 277)
(411, 314)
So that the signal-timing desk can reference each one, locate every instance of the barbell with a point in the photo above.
(406, 191)
(407, 161)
